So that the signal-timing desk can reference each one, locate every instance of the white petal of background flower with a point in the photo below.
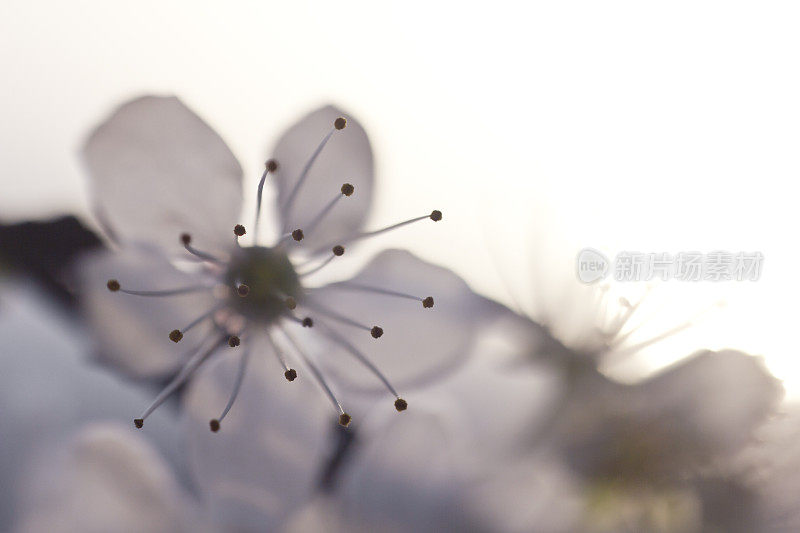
(347, 158)
(157, 170)
(48, 389)
(106, 479)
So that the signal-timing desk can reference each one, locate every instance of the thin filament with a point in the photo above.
(203, 255)
(325, 210)
(184, 374)
(287, 206)
(341, 341)
(238, 383)
(367, 234)
(317, 268)
(314, 370)
(201, 318)
(258, 204)
(336, 316)
(168, 292)
(277, 352)
(377, 290)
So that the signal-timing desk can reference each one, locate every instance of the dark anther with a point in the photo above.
(297, 235)
(239, 230)
(400, 404)
(290, 374)
(138, 422)
(234, 341)
(214, 425)
(113, 285)
(436, 215)
(376, 332)
(175, 335)
(348, 189)
(186, 238)
(338, 250)
(344, 419)
(291, 303)
(271, 165)
(340, 123)
(243, 290)
(427, 303)
(307, 322)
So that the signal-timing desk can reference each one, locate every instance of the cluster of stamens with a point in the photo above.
(265, 290)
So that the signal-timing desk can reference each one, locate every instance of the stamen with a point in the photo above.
(234, 341)
(306, 322)
(186, 239)
(237, 385)
(338, 124)
(178, 380)
(243, 290)
(375, 331)
(400, 404)
(269, 166)
(337, 250)
(289, 373)
(427, 301)
(177, 334)
(298, 235)
(238, 231)
(346, 190)
(435, 215)
(318, 376)
(291, 303)
(114, 286)
(341, 341)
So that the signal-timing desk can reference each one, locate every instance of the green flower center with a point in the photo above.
(270, 278)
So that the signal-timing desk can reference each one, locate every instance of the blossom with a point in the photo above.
(167, 190)
(644, 453)
(51, 397)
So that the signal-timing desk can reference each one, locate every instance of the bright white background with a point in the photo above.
(656, 127)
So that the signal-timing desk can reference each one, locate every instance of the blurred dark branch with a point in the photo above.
(44, 251)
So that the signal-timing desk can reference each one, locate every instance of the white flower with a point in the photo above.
(51, 396)
(165, 183)
(644, 453)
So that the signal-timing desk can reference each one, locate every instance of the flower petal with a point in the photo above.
(715, 400)
(347, 158)
(263, 464)
(157, 170)
(418, 343)
(409, 476)
(132, 332)
(106, 479)
(47, 389)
